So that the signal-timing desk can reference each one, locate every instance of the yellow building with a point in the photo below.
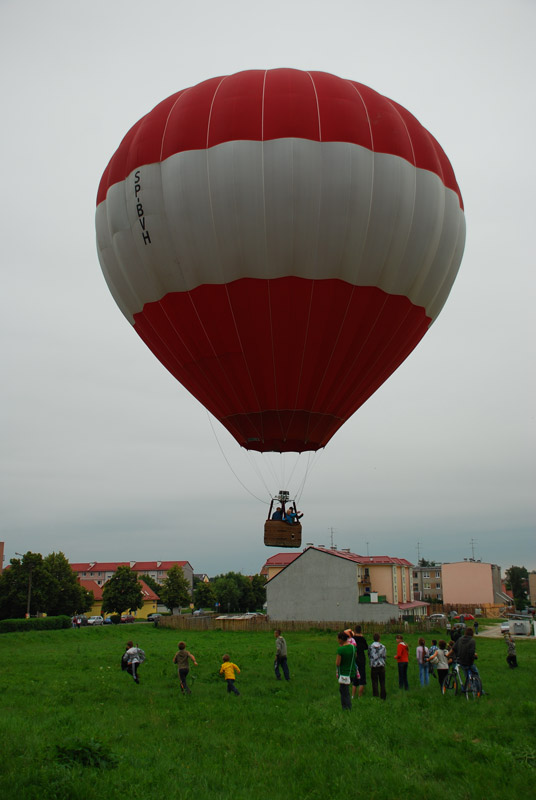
(150, 600)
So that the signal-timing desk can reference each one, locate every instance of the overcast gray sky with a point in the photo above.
(104, 455)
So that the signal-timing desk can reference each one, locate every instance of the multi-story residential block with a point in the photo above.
(471, 582)
(102, 571)
(427, 583)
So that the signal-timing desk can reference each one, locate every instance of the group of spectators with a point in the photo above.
(433, 661)
(350, 662)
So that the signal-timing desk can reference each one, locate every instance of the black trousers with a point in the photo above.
(346, 700)
(377, 675)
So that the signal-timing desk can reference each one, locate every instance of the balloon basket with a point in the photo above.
(281, 534)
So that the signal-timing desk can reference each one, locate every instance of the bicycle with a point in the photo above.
(455, 683)
(473, 685)
(453, 680)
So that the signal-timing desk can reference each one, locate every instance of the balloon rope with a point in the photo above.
(229, 464)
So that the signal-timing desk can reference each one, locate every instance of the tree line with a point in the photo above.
(36, 585)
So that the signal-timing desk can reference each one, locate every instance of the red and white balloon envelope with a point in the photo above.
(281, 240)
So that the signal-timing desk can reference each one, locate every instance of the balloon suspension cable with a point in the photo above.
(312, 461)
(229, 464)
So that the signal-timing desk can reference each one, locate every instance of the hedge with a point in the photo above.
(35, 624)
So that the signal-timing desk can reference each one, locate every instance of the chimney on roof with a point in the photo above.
(333, 547)
(158, 564)
(322, 545)
(345, 549)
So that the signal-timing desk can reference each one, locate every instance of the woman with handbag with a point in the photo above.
(345, 664)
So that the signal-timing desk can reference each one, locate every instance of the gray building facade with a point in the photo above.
(321, 586)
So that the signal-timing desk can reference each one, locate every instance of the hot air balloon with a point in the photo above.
(281, 240)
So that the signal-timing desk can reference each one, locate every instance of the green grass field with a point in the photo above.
(65, 701)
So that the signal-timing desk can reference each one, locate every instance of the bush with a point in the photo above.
(116, 619)
(34, 624)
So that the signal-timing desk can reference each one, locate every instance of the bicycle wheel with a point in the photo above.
(450, 684)
(473, 688)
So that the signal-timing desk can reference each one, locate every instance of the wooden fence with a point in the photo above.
(209, 623)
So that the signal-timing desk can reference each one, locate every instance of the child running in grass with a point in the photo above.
(181, 659)
(229, 670)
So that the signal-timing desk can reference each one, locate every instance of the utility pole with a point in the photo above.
(473, 542)
(418, 552)
(331, 534)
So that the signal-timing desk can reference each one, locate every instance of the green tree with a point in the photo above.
(151, 583)
(517, 582)
(64, 594)
(24, 587)
(175, 589)
(204, 596)
(258, 586)
(235, 592)
(122, 592)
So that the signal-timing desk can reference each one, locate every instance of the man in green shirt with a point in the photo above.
(345, 663)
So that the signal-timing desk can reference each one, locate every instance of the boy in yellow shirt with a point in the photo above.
(229, 670)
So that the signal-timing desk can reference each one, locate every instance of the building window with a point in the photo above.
(426, 574)
(438, 574)
(427, 585)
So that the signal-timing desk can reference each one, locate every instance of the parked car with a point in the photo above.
(153, 617)
(127, 618)
(438, 618)
(505, 626)
(95, 620)
(107, 621)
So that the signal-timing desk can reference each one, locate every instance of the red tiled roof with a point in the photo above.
(162, 566)
(148, 592)
(137, 566)
(413, 604)
(284, 559)
(92, 586)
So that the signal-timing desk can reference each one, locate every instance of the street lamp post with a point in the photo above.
(30, 567)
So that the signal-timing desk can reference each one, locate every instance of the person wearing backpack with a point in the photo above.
(134, 657)
(422, 660)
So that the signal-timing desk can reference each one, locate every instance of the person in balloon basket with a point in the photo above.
(280, 656)
(277, 516)
(229, 671)
(402, 659)
(345, 668)
(292, 516)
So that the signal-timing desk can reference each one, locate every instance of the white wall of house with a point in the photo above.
(323, 587)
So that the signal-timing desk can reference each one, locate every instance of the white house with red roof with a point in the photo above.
(327, 584)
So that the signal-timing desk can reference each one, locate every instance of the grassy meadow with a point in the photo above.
(72, 725)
